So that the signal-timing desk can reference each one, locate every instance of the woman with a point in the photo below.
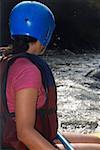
(31, 27)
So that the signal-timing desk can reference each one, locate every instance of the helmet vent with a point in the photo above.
(26, 19)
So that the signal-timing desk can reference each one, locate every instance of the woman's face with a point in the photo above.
(36, 48)
(40, 48)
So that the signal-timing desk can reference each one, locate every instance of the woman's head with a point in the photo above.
(32, 19)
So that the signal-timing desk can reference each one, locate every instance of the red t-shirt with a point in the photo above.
(23, 74)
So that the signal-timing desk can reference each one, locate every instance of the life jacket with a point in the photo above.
(46, 116)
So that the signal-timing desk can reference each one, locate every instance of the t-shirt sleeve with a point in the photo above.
(27, 76)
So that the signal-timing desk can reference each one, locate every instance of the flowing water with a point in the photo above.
(78, 91)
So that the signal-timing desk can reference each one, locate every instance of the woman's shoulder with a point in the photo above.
(22, 64)
(22, 68)
(24, 73)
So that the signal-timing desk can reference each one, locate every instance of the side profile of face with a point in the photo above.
(36, 48)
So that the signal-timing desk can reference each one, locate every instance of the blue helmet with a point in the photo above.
(33, 19)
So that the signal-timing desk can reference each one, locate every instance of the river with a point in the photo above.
(78, 91)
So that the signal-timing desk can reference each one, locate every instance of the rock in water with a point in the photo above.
(95, 73)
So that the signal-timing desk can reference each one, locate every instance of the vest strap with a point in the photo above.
(47, 111)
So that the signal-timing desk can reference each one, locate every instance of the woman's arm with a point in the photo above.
(25, 120)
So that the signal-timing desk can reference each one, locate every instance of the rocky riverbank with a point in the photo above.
(78, 91)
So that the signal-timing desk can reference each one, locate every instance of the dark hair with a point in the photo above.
(20, 43)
